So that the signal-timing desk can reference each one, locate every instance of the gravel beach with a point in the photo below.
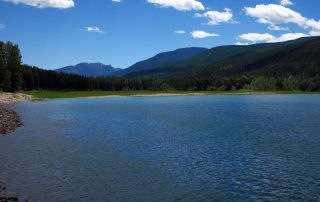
(9, 119)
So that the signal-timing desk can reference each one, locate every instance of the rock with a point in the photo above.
(9, 120)
(8, 199)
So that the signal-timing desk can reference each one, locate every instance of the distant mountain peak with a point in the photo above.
(89, 69)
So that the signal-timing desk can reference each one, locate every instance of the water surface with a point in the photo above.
(225, 148)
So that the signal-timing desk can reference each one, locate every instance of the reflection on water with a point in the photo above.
(166, 148)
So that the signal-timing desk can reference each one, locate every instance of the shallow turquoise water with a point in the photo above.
(192, 148)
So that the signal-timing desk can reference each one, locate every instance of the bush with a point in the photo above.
(263, 84)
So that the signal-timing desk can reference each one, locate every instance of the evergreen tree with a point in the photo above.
(6, 84)
(3, 67)
(14, 65)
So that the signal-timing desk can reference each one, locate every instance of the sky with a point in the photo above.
(55, 33)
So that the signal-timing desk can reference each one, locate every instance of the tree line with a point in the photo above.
(10, 67)
(14, 77)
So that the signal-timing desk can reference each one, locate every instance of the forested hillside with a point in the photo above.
(283, 66)
(221, 68)
(221, 61)
(161, 59)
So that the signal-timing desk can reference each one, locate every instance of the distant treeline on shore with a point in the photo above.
(15, 76)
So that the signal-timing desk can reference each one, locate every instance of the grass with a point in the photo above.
(40, 95)
(78, 94)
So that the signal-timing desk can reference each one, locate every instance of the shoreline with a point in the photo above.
(43, 95)
(141, 95)
(9, 119)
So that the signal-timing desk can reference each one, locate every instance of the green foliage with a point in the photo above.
(6, 83)
(265, 71)
(10, 67)
(211, 88)
(233, 88)
(293, 65)
(290, 83)
(222, 88)
(263, 84)
(3, 65)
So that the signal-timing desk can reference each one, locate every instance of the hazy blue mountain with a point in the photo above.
(89, 69)
(161, 59)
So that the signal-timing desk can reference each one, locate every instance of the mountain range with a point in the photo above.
(298, 57)
(101, 70)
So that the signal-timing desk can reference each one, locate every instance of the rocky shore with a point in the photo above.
(6, 198)
(9, 119)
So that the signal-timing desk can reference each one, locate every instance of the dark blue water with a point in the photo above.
(190, 148)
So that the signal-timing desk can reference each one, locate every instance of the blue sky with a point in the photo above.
(56, 33)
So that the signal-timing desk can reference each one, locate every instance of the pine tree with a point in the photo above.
(6, 84)
(3, 67)
(14, 65)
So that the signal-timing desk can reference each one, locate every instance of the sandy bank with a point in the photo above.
(9, 98)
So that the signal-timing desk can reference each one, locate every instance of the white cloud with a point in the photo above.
(216, 17)
(181, 5)
(61, 4)
(118, 1)
(277, 28)
(241, 44)
(93, 29)
(315, 25)
(286, 2)
(2, 26)
(256, 37)
(287, 37)
(314, 33)
(199, 34)
(268, 38)
(274, 15)
(180, 32)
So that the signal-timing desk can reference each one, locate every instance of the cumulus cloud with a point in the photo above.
(277, 28)
(268, 38)
(256, 37)
(180, 32)
(274, 15)
(241, 44)
(216, 17)
(315, 25)
(286, 2)
(93, 29)
(199, 34)
(181, 5)
(287, 37)
(118, 1)
(314, 33)
(61, 4)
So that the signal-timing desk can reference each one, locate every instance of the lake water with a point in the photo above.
(189, 148)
